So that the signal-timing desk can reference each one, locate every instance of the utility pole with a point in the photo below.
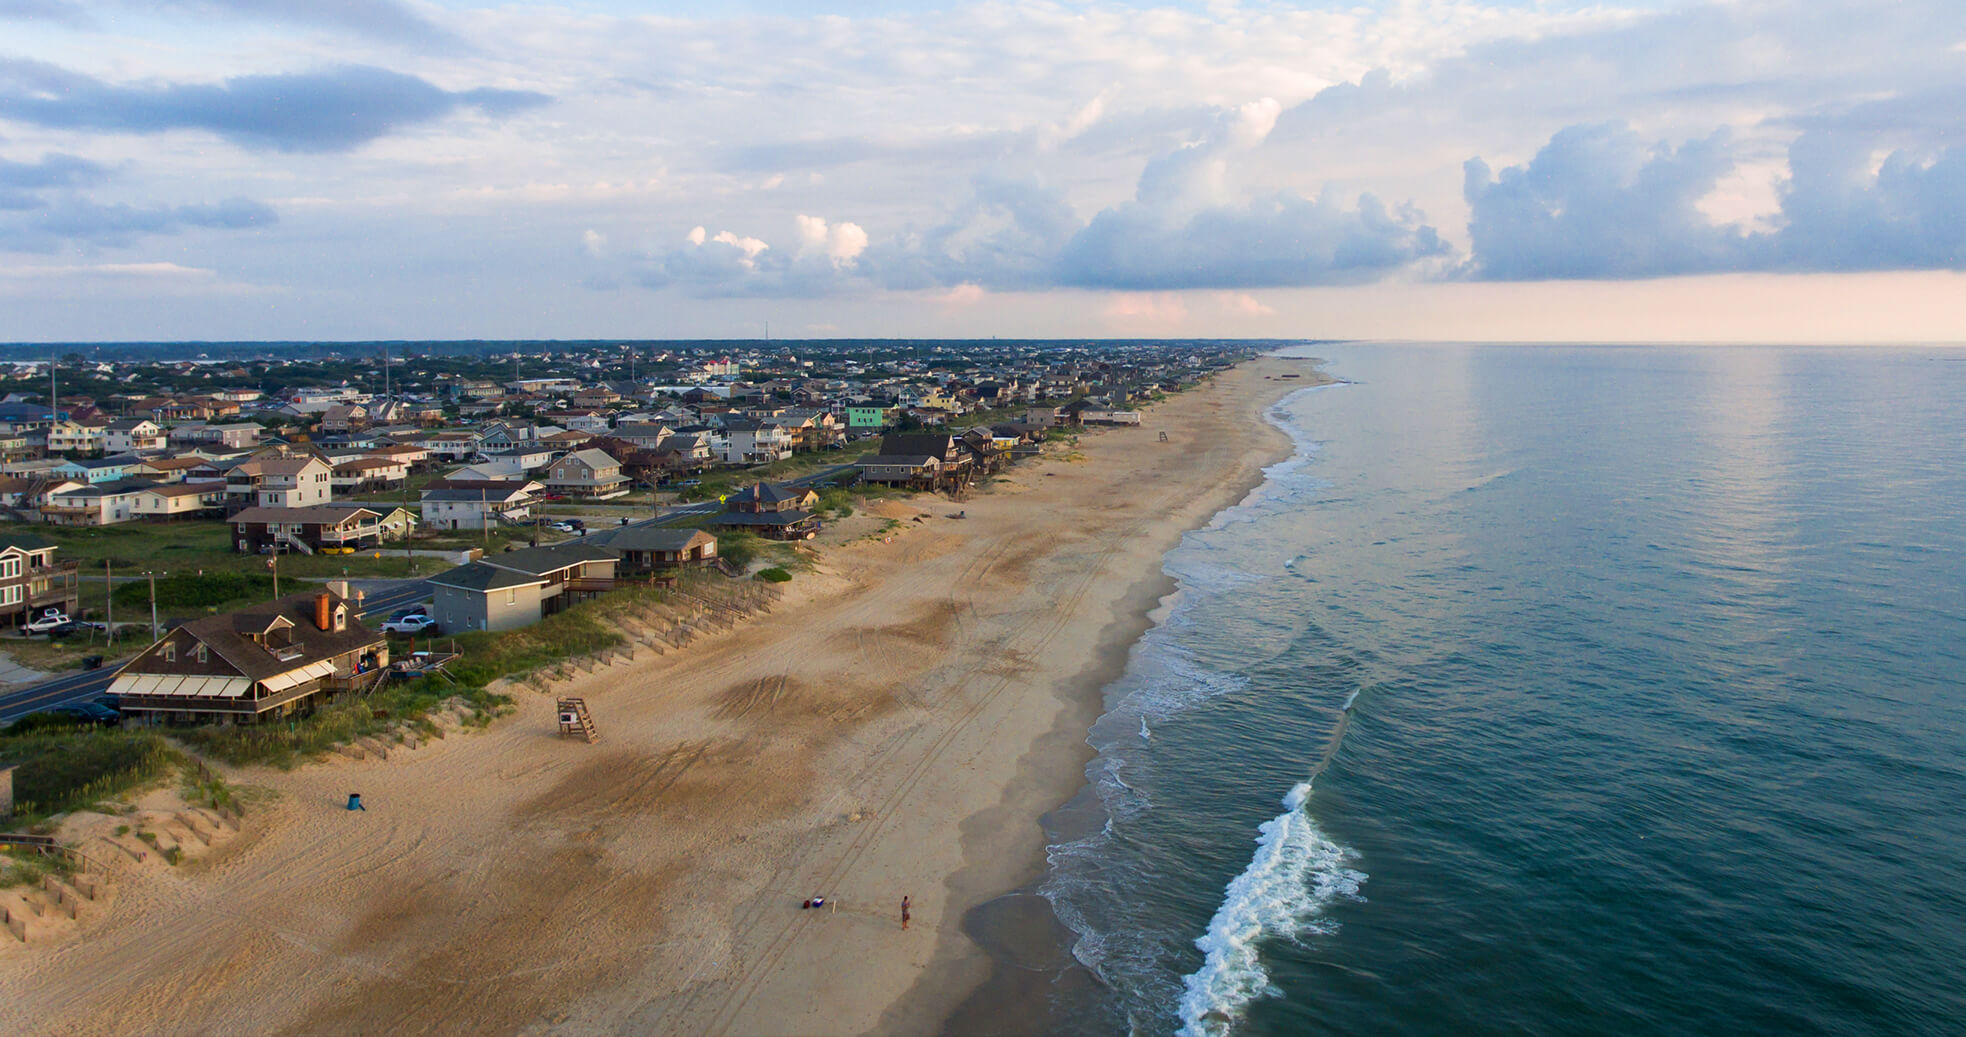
(108, 605)
(273, 564)
(153, 607)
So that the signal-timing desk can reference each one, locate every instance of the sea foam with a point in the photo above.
(1295, 872)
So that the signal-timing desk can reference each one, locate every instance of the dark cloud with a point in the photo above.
(1596, 202)
(20, 181)
(332, 110)
(77, 220)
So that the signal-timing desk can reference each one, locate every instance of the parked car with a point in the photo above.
(562, 527)
(576, 524)
(94, 712)
(416, 624)
(61, 630)
(413, 610)
(46, 621)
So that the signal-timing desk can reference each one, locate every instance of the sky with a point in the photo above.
(1519, 170)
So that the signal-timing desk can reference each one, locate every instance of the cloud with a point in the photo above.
(962, 295)
(18, 180)
(594, 243)
(1243, 304)
(335, 109)
(384, 20)
(65, 220)
(841, 243)
(1283, 240)
(1597, 202)
(58, 11)
(1152, 309)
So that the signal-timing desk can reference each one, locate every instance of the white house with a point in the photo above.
(477, 507)
(133, 435)
(753, 442)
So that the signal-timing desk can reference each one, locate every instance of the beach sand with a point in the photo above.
(896, 726)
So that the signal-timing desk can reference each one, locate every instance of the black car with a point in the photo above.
(86, 712)
(56, 633)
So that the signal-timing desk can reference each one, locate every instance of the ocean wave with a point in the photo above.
(1295, 872)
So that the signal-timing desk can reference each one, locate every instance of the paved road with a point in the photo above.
(74, 687)
(381, 601)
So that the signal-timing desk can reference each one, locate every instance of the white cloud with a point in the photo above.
(840, 243)
(594, 243)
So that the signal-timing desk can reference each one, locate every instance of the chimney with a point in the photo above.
(324, 611)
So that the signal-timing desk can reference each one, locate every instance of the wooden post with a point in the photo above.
(7, 789)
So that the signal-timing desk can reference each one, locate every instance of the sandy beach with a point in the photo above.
(895, 726)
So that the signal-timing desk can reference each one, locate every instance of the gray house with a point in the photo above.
(519, 588)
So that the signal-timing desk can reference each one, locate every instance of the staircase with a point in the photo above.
(295, 543)
(728, 569)
(575, 720)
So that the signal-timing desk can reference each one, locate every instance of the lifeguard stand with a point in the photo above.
(575, 720)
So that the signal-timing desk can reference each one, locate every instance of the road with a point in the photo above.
(74, 687)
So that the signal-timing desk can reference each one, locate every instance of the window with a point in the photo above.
(170, 651)
(201, 651)
(9, 567)
(512, 596)
(11, 595)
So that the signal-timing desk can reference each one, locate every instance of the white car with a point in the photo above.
(413, 624)
(47, 620)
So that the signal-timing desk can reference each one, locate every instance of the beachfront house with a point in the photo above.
(643, 550)
(518, 588)
(771, 511)
(261, 662)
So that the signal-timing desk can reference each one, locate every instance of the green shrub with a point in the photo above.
(738, 548)
(63, 770)
(774, 575)
(192, 590)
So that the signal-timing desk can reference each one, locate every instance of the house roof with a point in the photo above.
(898, 459)
(186, 489)
(26, 542)
(477, 576)
(494, 493)
(313, 513)
(592, 458)
(765, 493)
(650, 538)
(230, 635)
(539, 561)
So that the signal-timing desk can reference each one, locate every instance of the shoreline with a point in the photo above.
(1011, 925)
(899, 724)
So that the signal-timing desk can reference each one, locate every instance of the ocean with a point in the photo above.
(1550, 690)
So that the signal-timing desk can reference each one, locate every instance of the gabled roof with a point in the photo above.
(230, 635)
(592, 458)
(477, 576)
(765, 493)
(649, 538)
(312, 513)
(484, 492)
(539, 561)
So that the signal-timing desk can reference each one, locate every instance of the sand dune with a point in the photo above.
(895, 726)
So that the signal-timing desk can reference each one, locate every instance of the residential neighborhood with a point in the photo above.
(477, 491)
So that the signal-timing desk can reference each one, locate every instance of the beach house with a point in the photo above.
(31, 580)
(263, 661)
(518, 588)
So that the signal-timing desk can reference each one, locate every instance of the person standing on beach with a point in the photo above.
(904, 911)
